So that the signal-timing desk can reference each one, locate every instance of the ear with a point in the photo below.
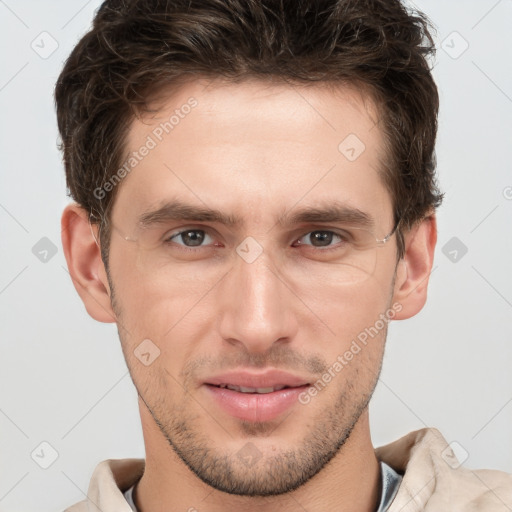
(85, 265)
(414, 268)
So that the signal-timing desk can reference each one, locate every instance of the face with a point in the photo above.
(265, 293)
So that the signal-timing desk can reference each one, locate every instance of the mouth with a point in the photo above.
(261, 391)
(255, 397)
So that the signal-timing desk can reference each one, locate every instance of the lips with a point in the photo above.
(255, 397)
(242, 389)
(270, 379)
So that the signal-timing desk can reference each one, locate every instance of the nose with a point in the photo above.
(256, 306)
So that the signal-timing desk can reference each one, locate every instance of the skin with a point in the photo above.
(255, 150)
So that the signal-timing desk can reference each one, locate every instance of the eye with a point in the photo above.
(321, 238)
(189, 237)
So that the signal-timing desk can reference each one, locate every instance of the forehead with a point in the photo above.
(255, 148)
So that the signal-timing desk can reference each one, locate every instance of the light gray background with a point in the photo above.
(63, 379)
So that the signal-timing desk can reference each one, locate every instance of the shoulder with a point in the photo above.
(109, 479)
(434, 479)
(78, 507)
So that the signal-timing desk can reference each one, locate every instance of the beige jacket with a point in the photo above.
(433, 480)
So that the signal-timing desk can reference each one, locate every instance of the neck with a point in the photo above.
(350, 481)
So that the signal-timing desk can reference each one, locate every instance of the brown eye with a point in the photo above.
(320, 238)
(189, 237)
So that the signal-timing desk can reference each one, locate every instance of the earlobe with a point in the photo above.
(414, 269)
(85, 265)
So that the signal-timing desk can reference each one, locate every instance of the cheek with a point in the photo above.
(352, 308)
(170, 307)
(355, 354)
(157, 297)
(356, 318)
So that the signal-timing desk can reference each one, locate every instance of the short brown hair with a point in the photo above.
(138, 46)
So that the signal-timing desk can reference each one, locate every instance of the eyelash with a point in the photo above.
(169, 240)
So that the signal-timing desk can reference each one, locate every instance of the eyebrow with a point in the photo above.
(177, 210)
(331, 212)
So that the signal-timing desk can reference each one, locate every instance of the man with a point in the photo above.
(255, 194)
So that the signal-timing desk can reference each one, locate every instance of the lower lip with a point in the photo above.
(255, 407)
